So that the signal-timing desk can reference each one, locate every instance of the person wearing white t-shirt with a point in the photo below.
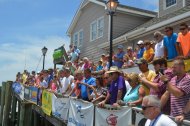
(152, 111)
(66, 81)
(159, 47)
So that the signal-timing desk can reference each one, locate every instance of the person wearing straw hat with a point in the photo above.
(117, 88)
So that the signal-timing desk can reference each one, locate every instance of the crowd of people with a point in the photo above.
(165, 89)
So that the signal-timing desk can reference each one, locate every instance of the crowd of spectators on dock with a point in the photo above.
(101, 84)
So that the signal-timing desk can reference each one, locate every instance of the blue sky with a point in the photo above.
(28, 25)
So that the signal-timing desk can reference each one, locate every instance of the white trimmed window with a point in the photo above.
(78, 38)
(100, 27)
(93, 31)
(96, 29)
(81, 38)
(170, 3)
(75, 39)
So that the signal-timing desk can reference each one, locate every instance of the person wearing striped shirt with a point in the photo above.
(178, 88)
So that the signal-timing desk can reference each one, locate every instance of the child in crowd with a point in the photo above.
(75, 92)
(99, 93)
(99, 67)
(54, 84)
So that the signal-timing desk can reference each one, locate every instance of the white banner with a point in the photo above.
(60, 107)
(80, 113)
(139, 117)
(105, 117)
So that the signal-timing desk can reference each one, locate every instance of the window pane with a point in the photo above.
(170, 2)
(93, 31)
(76, 39)
(100, 27)
(80, 38)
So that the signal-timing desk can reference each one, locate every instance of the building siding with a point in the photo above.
(90, 13)
(164, 11)
(123, 23)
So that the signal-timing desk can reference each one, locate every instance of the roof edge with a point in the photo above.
(120, 8)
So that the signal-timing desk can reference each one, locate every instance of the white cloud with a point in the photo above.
(15, 57)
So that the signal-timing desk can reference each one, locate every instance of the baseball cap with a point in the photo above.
(140, 42)
(120, 46)
(141, 61)
(129, 48)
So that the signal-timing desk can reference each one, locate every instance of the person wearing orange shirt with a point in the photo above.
(184, 40)
(149, 52)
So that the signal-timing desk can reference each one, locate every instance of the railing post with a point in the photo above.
(13, 111)
(133, 117)
(28, 115)
(3, 88)
(7, 106)
(22, 111)
(18, 114)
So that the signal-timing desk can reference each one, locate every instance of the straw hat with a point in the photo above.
(113, 69)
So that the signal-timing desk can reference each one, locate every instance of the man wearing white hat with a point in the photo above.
(140, 53)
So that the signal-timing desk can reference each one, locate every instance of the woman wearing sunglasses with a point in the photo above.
(135, 94)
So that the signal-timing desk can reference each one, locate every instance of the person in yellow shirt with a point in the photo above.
(145, 72)
(149, 52)
(24, 76)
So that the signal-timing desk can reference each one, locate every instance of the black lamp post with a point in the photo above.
(44, 51)
(111, 6)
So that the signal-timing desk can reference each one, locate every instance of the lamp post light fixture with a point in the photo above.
(111, 6)
(44, 51)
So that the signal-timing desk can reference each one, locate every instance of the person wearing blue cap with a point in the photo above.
(118, 58)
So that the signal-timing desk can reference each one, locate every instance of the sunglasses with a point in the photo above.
(105, 78)
(156, 36)
(145, 107)
(147, 44)
(181, 29)
(167, 30)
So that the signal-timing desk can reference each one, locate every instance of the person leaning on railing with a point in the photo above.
(99, 92)
(135, 94)
(117, 88)
(185, 111)
(78, 78)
